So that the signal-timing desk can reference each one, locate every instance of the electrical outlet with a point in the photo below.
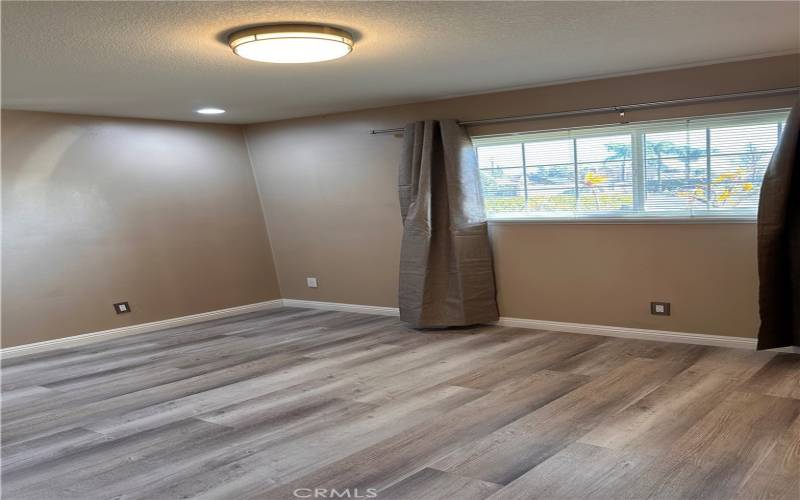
(312, 282)
(659, 308)
(122, 307)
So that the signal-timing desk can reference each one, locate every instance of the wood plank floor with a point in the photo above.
(270, 404)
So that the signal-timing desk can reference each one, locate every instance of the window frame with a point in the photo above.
(638, 131)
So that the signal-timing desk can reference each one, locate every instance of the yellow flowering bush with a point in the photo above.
(724, 188)
(593, 179)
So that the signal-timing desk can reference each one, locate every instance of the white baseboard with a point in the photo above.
(88, 338)
(558, 326)
(632, 333)
(336, 306)
(534, 324)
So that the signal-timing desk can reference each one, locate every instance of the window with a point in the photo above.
(695, 168)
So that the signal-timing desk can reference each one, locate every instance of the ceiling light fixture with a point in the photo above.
(291, 43)
(210, 111)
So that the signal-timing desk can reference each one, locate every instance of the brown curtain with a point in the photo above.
(446, 274)
(779, 242)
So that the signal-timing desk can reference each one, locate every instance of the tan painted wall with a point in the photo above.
(99, 210)
(330, 201)
(166, 216)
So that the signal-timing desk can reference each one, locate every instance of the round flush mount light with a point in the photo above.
(210, 111)
(291, 43)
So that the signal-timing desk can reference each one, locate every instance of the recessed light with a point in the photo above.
(291, 43)
(210, 111)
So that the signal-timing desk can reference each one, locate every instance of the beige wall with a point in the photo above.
(167, 216)
(99, 210)
(330, 201)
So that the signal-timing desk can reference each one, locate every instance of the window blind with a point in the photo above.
(709, 167)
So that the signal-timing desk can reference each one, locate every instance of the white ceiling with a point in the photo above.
(164, 59)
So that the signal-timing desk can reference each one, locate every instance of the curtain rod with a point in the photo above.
(617, 109)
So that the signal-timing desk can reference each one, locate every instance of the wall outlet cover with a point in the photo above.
(122, 307)
(312, 282)
(660, 308)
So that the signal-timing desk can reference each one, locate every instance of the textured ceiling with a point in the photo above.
(164, 59)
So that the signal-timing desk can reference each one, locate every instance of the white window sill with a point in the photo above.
(622, 220)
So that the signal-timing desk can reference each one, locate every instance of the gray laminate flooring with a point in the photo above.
(276, 404)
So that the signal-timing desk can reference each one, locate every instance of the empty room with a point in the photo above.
(420, 250)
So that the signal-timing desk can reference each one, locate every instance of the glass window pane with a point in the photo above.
(503, 190)
(549, 152)
(675, 185)
(502, 156)
(603, 187)
(551, 201)
(680, 144)
(676, 171)
(751, 139)
(601, 149)
(551, 177)
(551, 188)
(605, 181)
(735, 185)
